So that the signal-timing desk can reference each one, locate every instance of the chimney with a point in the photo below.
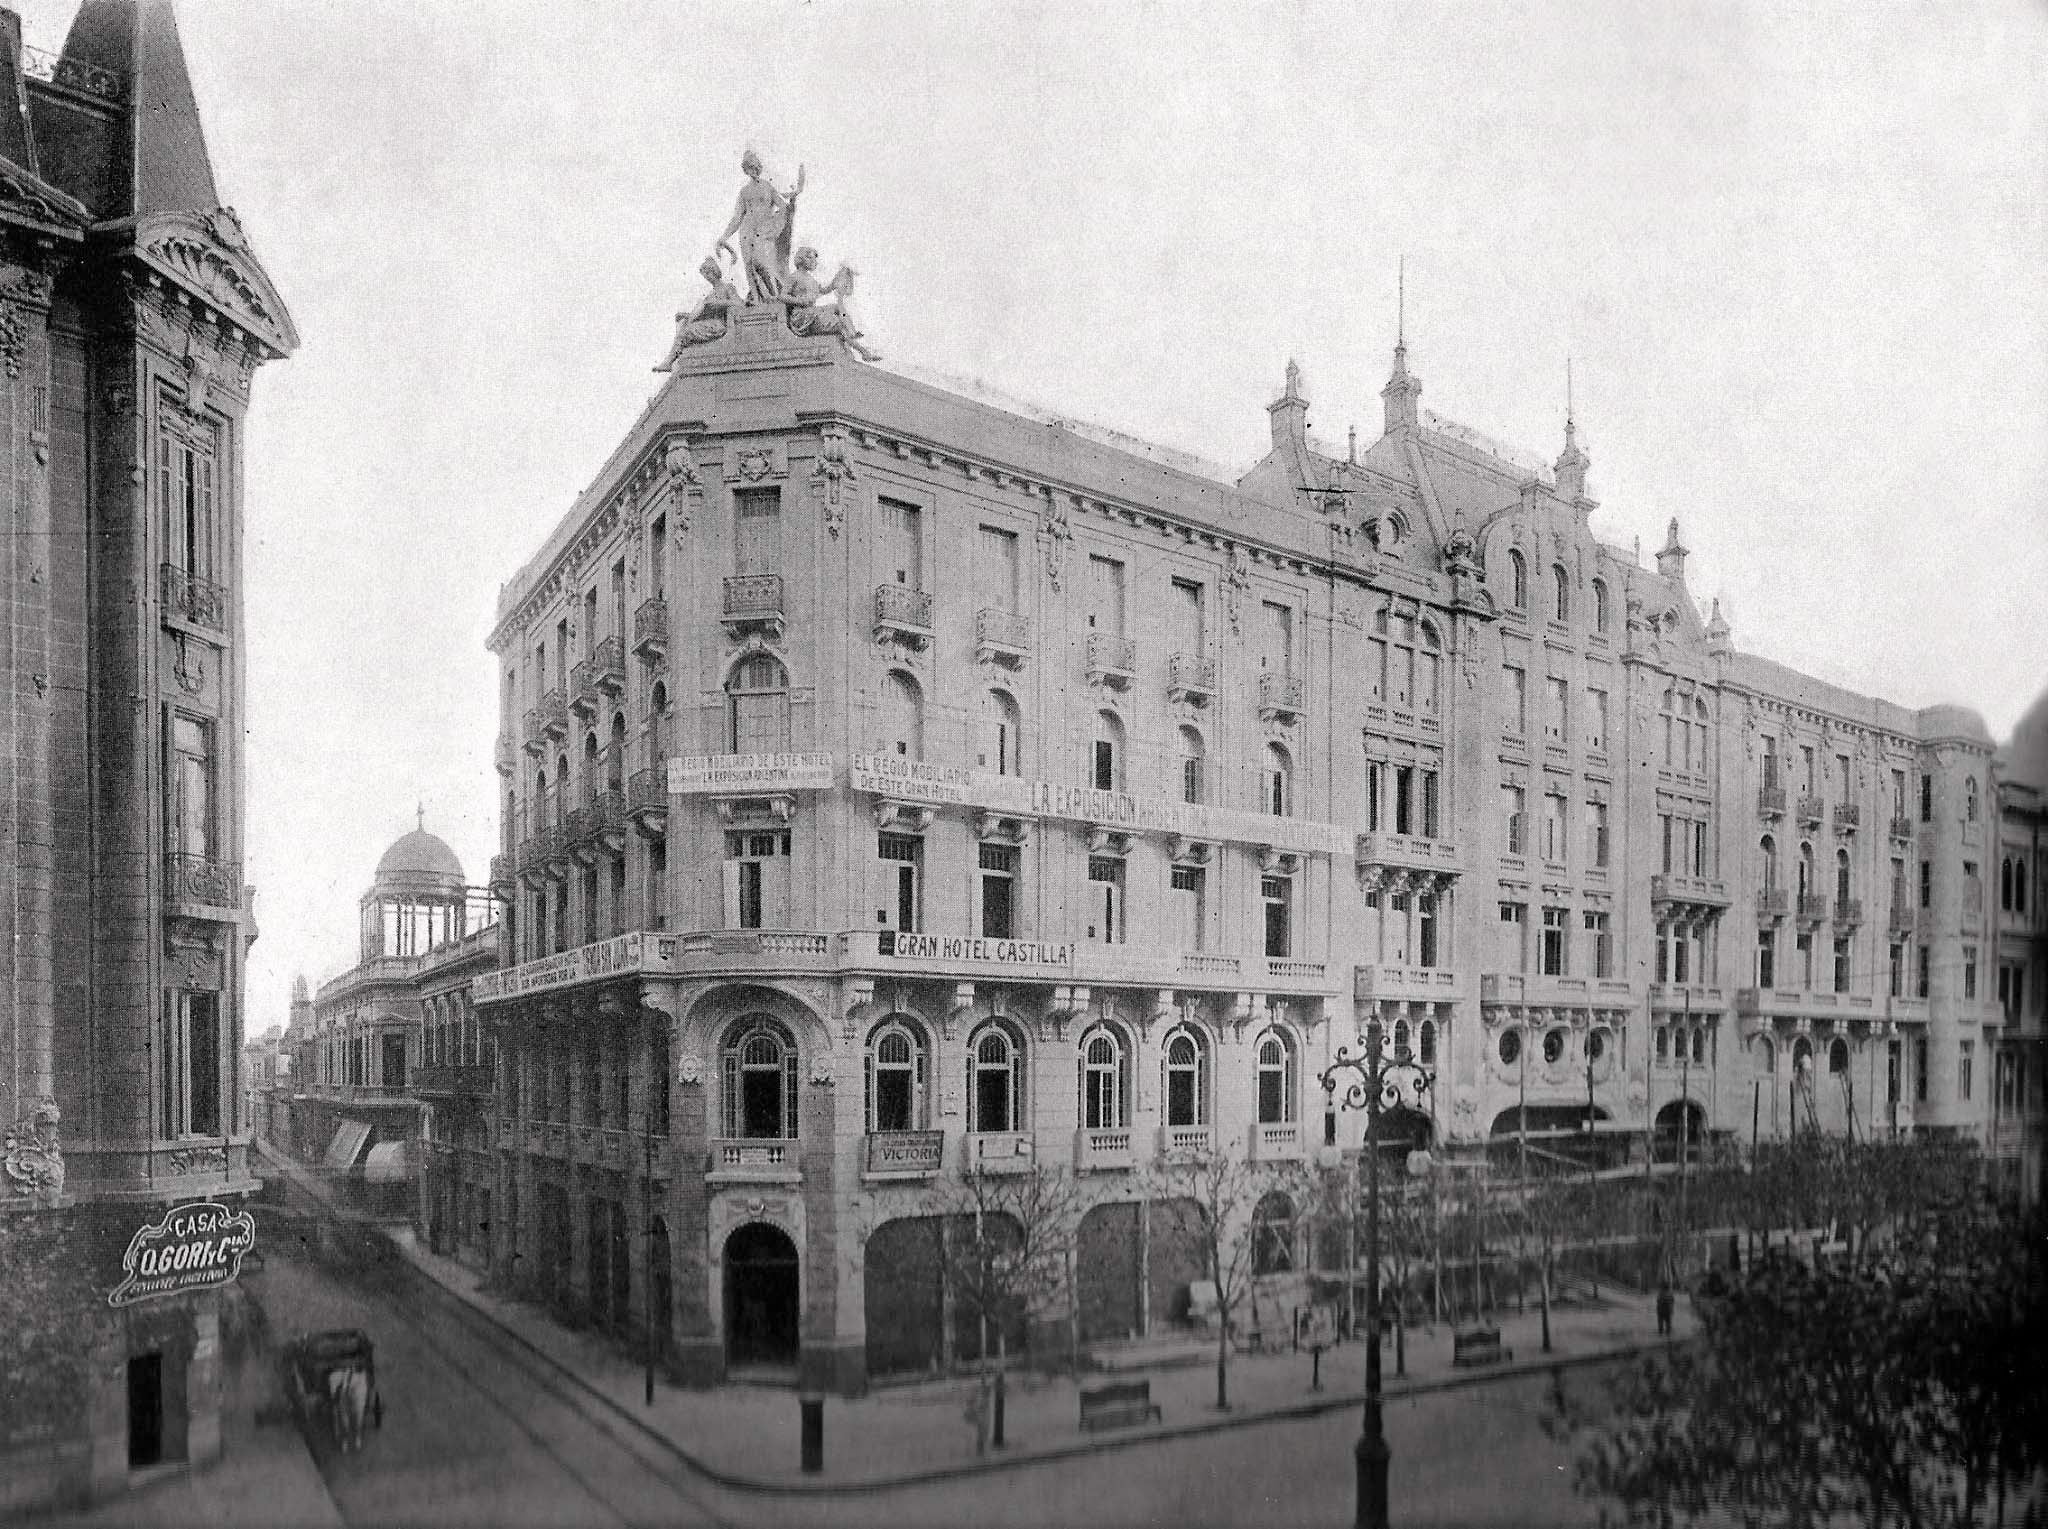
(1290, 418)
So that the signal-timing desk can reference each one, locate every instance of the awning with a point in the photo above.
(347, 1145)
(386, 1163)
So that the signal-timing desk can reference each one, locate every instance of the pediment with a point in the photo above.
(208, 255)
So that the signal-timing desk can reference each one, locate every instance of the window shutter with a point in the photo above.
(731, 876)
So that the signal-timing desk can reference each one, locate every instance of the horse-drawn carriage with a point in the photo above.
(331, 1378)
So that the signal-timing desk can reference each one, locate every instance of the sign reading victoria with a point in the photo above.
(194, 1247)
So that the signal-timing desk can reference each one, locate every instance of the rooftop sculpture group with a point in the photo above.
(758, 241)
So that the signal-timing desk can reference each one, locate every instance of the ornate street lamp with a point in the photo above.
(1373, 1081)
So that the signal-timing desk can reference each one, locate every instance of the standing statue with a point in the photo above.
(709, 319)
(806, 300)
(765, 220)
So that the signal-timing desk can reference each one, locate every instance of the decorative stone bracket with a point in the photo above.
(1188, 851)
(743, 809)
(1278, 862)
(30, 1159)
(903, 817)
(1108, 841)
(1005, 826)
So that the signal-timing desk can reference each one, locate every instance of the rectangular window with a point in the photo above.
(1892, 1059)
(589, 620)
(1927, 798)
(1553, 941)
(1926, 884)
(1966, 1063)
(189, 781)
(1277, 623)
(1425, 931)
(902, 544)
(657, 884)
(1770, 761)
(1898, 887)
(1104, 773)
(1664, 822)
(191, 1064)
(996, 568)
(619, 601)
(1553, 828)
(1699, 849)
(1898, 969)
(1106, 899)
(998, 891)
(1430, 820)
(657, 558)
(1596, 835)
(562, 654)
(1596, 720)
(902, 864)
(1404, 799)
(1517, 699)
(757, 880)
(1898, 793)
(191, 530)
(1920, 972)
(1969, 972)
(1188, 894)
(1766, 958)
(1189, 635)
(1555, 720)
(1600, 940)
(1841, 966)
(1842, 792)
(1512, 802)
(1804, 942)
(1920, 1069)
(1514, 937)
(1806, 781)
(1277, 892)
(1106, 595)
(1191, 778)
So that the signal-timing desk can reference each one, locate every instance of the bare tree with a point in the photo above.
(1214, 1200)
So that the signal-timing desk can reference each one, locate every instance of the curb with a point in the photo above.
(1333, 1401)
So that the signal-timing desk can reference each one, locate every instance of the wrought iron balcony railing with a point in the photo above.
(1001, 637)
(1190, 677)
(1280, 696)
(202, 879)
(650, 630)
(193, 599)
(1112, 660)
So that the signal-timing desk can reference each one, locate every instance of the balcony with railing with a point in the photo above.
(1770, 800)
(1202, 963)
(1405, 984)
(753, 1160)
(647, 798)
(1186, 1144)
(608, 666)
(203, 882)
(1813, 908)
(585, 699)
(1669, 887)
(454, 1080)
(554, 715)
(505, 755)
(903, 614)
(1380, 852)
(1900, 919)
(1112, 660)
(598, 827)
(997, 1152)
(534, 734)
(903, 1154)
(1848, 911)
(190, 599)
(1276, 1142)
(1191, 677)
(1773, 902)
(1103, 1150)
(1811, 809)
(1280, 696)
(1902, 826)
(1848, 817)
(504, 868)
(753, 603)
(650, 630)
(1001, 637)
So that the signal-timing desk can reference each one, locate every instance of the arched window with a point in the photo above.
(1273, 1234)
(1002, 735)
(1425, 1051)
(1428, 668)
(1187, 1094)
(757, 702)
(995, 1083)
(1699, 729)
(1764, 1054)
(615, 755)
(1518, 581)
(563, 790)
(1841, 878)
(1106, 764)
(900, 725)
(1805, 870)
(1599, 605)
(543, 812)
(1970, 798)
(592, 767)
(2005, 884)
(657, 725)
(1770, 852)
(1699, 1047)
(1563, 583)
(1663, 1043)
(1279, 782)
(1192, 785)
(759, 1074)
(1401, 1051)
(1802, 1056)
(1838, 1056)
(896, 1074)
(1105, 1085)
(1277, 1104)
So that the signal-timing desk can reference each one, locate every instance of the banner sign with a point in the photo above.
(194, 1247)
(960, 949)
(587, 963)
(706, 774)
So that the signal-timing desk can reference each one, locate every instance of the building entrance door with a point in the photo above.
(760, 1297)
(145, 1410)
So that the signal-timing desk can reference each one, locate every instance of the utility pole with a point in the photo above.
(647, 1243)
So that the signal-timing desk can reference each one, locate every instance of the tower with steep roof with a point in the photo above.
(133, 315)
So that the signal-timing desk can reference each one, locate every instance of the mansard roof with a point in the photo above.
(117, 170)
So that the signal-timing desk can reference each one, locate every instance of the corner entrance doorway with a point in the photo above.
(145, 1410)
(760, 1298)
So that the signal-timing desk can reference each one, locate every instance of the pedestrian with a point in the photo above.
(1664, 1304)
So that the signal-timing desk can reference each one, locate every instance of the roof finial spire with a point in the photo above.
(1567, 394)
(1401, 303)
(420, 816)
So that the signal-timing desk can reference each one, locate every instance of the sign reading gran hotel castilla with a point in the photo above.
(192, 1248)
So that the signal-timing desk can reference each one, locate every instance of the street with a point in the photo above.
(478, 1432)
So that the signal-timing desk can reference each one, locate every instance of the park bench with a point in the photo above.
(1478, 1345)
(1118, 1405)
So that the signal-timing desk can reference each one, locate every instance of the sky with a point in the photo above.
(1796, 255)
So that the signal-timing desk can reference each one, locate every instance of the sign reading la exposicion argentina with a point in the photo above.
(194, 1247)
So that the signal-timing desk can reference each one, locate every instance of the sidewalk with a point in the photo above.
(747, 1436)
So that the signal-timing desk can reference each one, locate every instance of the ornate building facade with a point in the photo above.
(133, 315)
(897, 787)
(2019, 1101)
